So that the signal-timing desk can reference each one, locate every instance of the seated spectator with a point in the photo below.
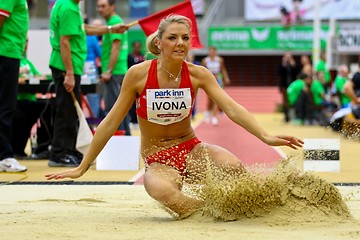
(322, 108)
(29, 110)
(322, 72)
(352, 90)
(346, 119)
(337, 90)
(300, 98)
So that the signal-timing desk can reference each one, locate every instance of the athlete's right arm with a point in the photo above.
(107, 127)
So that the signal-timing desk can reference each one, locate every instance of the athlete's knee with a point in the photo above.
(162, 192)
(160, 189)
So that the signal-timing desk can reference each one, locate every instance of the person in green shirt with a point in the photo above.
(68, 40)
(352, 90)
(320, 104)
(27, 70)
(294, 89)
(338, 86)
(114, 54)
(318, 93)
(299, 97)
(28, 110)
(322, 72)
(14, 24)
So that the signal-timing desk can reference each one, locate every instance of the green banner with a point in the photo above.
(264, 38)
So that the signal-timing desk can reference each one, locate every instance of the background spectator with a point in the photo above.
(28, 111)
(135, 57)
(287, 71)
(322, 72)
(352, 90)
(92, 71)
(216, 66)
(114, 55)
(68, 41)
(338, 86)
(300, 98)
(13, 15)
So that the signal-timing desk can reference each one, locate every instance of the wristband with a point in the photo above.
(109, 29)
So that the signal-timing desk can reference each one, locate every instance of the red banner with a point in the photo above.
(150, 23)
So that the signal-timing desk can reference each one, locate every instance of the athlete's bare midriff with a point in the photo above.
(155, 137)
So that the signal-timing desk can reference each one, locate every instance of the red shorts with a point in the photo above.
(175, 156)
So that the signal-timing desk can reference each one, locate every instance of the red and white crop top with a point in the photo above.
(165, 106)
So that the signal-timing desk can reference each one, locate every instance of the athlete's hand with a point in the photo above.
(282, 140)
(70, 173)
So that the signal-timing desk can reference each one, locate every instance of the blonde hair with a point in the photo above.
(172, 18)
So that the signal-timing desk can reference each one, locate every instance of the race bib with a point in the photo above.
(167, 106)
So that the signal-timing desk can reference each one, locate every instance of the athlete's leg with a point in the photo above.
(164, 183)
(205, 156)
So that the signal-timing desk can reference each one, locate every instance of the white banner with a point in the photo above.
(261, 10)
(349, 38)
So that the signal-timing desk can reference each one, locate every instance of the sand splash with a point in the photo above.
(230, 193)
(298, 196)
(253, 194)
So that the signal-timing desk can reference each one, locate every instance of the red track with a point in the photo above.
(234, 138)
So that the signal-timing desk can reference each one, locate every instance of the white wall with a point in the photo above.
(39, 50)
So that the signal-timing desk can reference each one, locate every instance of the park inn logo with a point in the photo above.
(169, 93)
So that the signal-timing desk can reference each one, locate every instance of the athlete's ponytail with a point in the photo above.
(151, 44)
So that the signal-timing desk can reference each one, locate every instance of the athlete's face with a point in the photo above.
(175, 41)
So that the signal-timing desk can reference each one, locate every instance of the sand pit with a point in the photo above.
(283, 203)
(127, 212)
